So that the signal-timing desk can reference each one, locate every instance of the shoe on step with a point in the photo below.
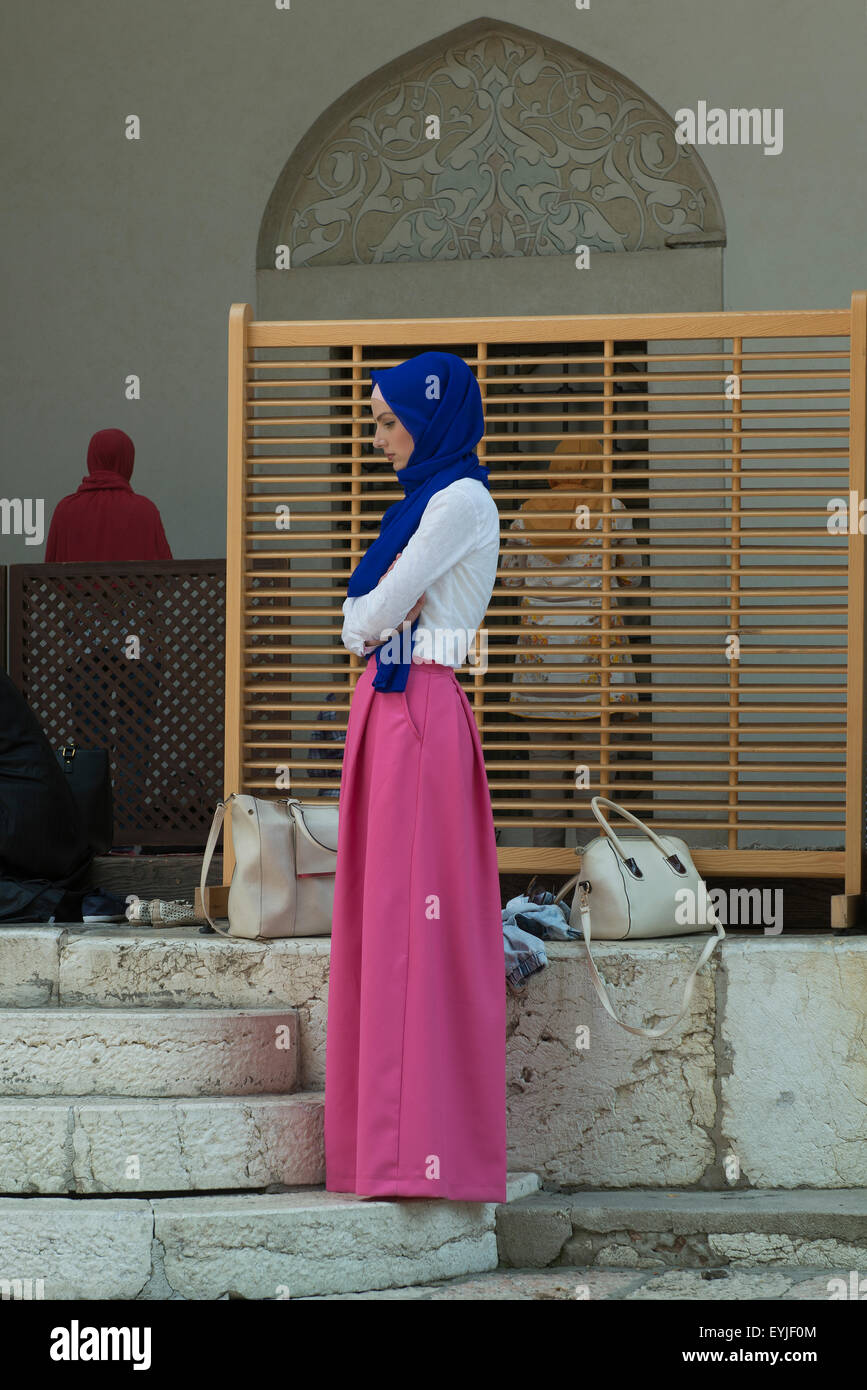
(103, 907)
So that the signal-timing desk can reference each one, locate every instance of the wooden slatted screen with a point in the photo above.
(726, 603)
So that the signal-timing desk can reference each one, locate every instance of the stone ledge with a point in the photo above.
(322, 1242)
(641, 1230)
(274, 1246)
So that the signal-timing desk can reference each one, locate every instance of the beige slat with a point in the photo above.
(236, 563)
(807, 323)
(855, 714)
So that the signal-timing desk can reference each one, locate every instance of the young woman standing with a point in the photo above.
(415, 1089)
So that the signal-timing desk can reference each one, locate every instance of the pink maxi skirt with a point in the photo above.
(415, 1067)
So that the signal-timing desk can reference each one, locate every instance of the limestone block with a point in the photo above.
(623, 1111)
(135, 1052)
(81, 1250)
(751, 1248)
(531, 1234)
(296, 1245)
(794, 1091)
(181, 969)
(35, 1145)
(59, 1144)
(29, 965)
(222, 1142)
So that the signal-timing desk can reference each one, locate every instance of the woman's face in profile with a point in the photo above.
(389, 435)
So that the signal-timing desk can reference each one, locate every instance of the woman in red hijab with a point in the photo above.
(104, 519)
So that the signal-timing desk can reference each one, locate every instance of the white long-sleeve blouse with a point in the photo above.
(451, 558)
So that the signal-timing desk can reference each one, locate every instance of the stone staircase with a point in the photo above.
(161, 1112)
(161, 1133)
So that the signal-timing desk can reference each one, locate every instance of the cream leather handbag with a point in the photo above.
(285, 861)
(631, 882)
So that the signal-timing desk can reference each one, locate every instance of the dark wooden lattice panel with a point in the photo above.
(160, 712)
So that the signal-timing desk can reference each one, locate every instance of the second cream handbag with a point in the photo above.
(285, 861)
(632, 885)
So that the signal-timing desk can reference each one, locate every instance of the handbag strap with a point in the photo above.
(709, 946)
(213, 837)
(566, 886)
(621, 810)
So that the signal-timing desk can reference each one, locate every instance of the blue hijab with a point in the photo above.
(437, 400)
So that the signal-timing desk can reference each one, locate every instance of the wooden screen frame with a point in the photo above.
(246, 334)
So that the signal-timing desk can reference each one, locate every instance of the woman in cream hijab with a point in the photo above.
(569, 572)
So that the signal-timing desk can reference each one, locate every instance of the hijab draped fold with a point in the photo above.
(437, 400)
(104, 519)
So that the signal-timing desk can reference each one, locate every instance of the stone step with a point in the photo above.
(114, 967)
(160, 1052)
(62, 1144)
(743, 1228)
(259, 1245)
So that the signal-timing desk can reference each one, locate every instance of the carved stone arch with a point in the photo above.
(540, 148)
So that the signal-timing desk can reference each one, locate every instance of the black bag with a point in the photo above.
(89, 777)
(45, 857)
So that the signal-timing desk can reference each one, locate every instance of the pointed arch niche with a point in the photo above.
(461, 177)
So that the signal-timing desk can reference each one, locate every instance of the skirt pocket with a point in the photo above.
(416, 696)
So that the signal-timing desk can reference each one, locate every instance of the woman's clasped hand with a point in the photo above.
(419, 603)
